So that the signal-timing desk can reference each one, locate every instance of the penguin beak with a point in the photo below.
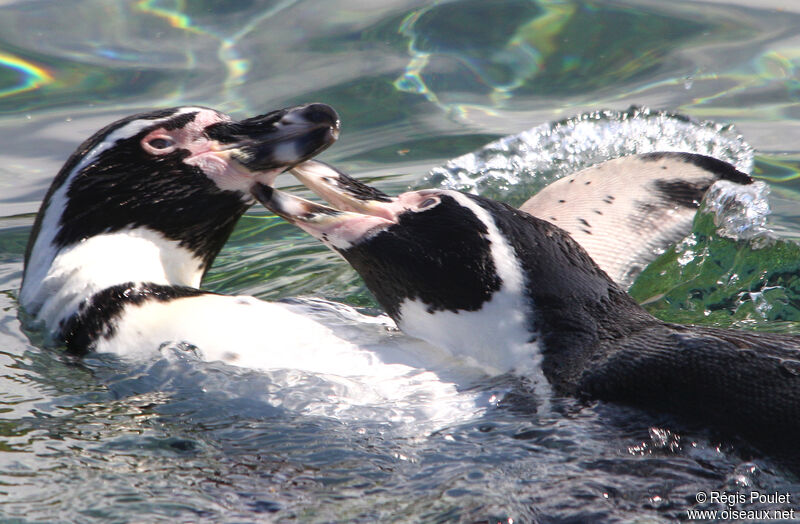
(278, 140)
(360, 210)
(343, 191)
(337, 228)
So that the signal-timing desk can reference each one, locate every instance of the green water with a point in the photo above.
(416, 84)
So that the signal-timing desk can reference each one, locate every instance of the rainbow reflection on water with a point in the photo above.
(31, 76)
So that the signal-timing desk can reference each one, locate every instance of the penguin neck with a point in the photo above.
(576, 307)
(56, 284)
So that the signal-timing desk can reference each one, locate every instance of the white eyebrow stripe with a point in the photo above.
(126, 131)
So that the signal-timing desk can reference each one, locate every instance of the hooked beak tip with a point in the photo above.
(262, 192)
(278, 140)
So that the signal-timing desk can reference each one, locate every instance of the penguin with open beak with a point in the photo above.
(137, 214)
(518, 293)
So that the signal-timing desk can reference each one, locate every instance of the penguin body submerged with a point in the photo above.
(434, 252)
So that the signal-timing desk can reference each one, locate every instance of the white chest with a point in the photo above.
(496, 337)
(53, 290)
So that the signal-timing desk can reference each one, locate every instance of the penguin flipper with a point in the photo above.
(625, 212)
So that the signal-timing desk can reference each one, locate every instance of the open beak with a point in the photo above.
(279, 140)
(343, 191)
(337, 228)
(359, 211)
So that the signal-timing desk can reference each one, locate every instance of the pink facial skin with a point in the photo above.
(213, 158)
(342, 229)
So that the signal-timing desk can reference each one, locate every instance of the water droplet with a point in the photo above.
(791, 366)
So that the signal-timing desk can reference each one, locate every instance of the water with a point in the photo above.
(416, 84)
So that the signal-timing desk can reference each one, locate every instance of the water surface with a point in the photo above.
(416, 84)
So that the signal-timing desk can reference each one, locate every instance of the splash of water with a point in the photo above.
(514, 167)
(740, 212)
(731, 267)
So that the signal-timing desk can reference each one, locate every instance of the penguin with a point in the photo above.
(135, 217)
(517, 292)
(624, 212)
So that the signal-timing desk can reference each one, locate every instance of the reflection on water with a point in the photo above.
(540, 48)
(417, 83)
(19, 76)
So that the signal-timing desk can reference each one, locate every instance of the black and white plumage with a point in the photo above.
(137, 214)
(624, 212)
(514, 291)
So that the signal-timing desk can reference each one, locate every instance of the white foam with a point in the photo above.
(549, 151)
(390, 376)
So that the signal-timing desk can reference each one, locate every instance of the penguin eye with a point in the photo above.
(160, 143)
(428, 202)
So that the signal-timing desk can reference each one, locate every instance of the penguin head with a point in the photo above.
(184, 173)
(433, 247)
(437, 247)
(444, 249)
